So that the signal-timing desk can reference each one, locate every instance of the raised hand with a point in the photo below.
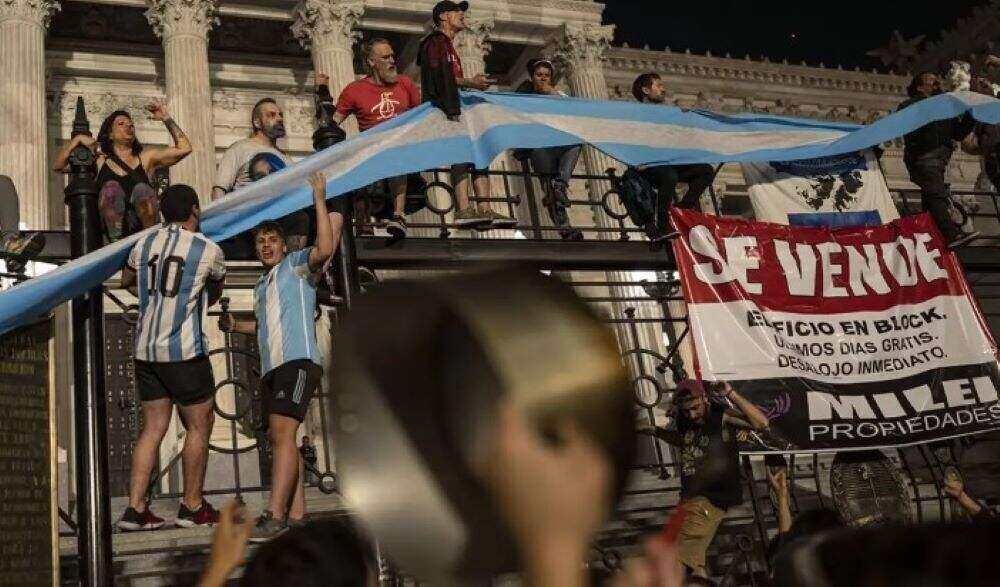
(318, 182)
(158, 111)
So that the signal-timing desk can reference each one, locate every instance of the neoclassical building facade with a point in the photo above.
(212, 60)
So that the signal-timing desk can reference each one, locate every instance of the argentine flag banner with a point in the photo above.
(491, 123)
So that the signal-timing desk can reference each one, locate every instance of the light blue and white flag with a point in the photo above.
(635, 134)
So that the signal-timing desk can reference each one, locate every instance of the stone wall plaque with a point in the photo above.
(28, 548)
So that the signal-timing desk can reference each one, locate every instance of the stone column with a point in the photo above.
(183, 25)
(326, 28)
(580, 50)
(22, 104)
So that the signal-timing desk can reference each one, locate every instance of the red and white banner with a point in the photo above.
(849, 338)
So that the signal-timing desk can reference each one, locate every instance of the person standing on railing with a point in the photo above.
(127, 200)
(441, 77)
(173, 271)
(648, 88)
(382, 95)
(553, 161)
(709, 460)
(926, 154)
(985, 140)
(284, 323)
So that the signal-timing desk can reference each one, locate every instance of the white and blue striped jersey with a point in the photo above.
(172, 265)
(284, 302)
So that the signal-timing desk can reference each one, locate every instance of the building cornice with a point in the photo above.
(624, 59)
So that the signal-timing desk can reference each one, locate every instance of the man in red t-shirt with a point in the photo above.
(383, 95)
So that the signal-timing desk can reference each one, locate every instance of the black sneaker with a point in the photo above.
(267, 528)
(571, 234)
(963, 238)
(204, 516)
(396, 228)
(133, 521)
(19, 248)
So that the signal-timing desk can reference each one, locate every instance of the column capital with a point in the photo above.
(327, 22)
(581, 46)
(474, 40)
(36, 11)
(170, 18)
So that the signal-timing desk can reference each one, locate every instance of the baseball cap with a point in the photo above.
(690, 388)
(533, 63)
(448, 6)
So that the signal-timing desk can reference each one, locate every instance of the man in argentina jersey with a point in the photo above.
(285, 325)
(172, 271)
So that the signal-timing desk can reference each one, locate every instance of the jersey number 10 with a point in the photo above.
(170, 275)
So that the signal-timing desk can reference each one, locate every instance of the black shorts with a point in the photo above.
(184, 382)
(287, 390)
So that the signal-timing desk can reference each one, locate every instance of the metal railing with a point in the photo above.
(643, 306)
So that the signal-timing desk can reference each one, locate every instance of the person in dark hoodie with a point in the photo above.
(557, 163)
(926, 154)
(441, 77)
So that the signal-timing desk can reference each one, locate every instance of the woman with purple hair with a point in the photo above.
(128, 201)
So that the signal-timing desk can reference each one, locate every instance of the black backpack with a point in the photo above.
(638, 196)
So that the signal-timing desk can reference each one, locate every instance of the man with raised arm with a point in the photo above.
(709, 460)
(284, 322)
(173, 271)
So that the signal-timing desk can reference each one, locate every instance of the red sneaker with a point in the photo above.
(206, 515)
(133, 520)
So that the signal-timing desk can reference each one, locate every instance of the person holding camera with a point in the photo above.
(709, 415)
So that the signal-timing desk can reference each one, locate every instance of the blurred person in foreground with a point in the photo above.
(125, 168)
(709, 459)
(327, 553)
(291, 364)
(441, 76)
(927, 152)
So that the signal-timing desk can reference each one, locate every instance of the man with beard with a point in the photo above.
(709, 460)
(649, 88)
(374, 99)
(267, 125)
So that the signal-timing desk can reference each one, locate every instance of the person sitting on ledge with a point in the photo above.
(557, 163)
(648, 88)
(16, 247)
(128, 202)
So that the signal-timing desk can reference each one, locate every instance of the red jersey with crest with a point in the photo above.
(374, 104)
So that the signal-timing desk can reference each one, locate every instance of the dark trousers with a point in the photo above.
(558, 161)
(927, 171)
(665, 179)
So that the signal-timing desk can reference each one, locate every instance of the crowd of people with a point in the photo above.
(176, 272)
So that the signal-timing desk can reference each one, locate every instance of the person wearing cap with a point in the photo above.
(556, 163)
(441, 77)
(708, 419)
(649, 88)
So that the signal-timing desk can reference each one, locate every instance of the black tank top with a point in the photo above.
(137, 176)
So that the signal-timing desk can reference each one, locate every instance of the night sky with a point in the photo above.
(836, 32)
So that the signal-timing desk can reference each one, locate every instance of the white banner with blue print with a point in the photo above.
(833, 192)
